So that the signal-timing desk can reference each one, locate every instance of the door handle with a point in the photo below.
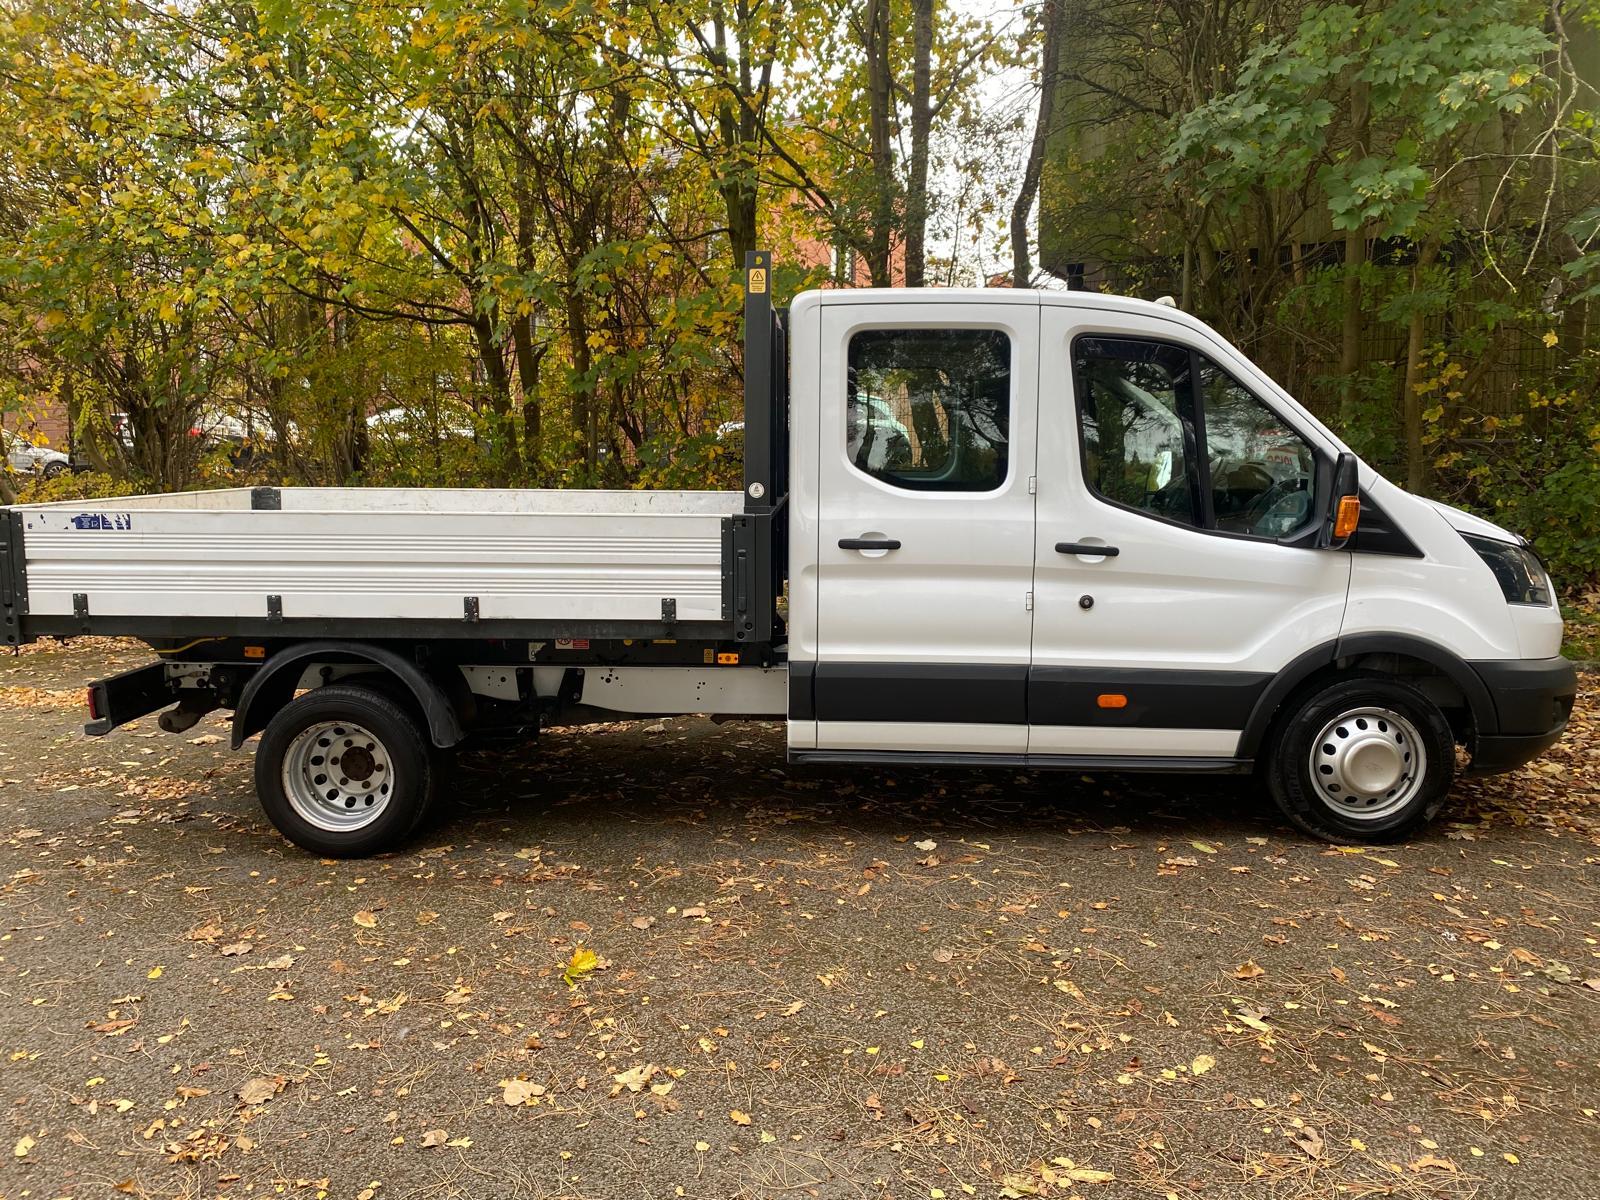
(869, 543)
(1087, 548)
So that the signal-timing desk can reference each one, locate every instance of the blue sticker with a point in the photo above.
(107, 522)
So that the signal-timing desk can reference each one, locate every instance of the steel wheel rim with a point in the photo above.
(338, 776)
(1368, 763)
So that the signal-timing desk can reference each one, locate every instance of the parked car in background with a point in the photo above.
(29, 459)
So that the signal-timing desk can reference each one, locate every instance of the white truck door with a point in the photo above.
(1157, 443)
(926, 437)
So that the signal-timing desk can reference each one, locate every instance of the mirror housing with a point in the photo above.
(1344, 503)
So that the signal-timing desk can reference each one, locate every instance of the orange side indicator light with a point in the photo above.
(725, 659)
(255, 651)
(1111, 700)
(1348, 517)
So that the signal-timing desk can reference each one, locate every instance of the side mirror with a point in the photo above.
(1344, 504)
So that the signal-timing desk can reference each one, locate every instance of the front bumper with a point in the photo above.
(1533, 700)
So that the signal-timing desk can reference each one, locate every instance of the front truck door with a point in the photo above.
(1156, 442)
(925, 525)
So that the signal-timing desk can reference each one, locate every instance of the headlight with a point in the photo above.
(1516, 568)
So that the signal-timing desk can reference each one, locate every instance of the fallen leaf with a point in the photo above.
(694, 910)
(260, 1089)
(739, 1118)
(926, 844)
(366, 919)
(582, 962)
(642, 922)
(1309, 1140)
(1201, 1064)
(24, 1144)
(520, 1091)
(1249, 969)
(235, 948)
(434, 1137)
(634, 1078)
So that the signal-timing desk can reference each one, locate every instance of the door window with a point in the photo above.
(1261, 471)
(1212, 456)
(1133, 405)
(929, 409)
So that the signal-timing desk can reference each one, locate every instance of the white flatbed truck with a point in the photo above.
(1040, 529)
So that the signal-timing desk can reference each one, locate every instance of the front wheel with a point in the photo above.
(344, 772)
(1363, 759)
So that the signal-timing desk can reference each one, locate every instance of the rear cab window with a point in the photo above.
(930, 409)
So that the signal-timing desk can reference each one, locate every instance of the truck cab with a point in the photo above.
(977, 527)
(1100, 540)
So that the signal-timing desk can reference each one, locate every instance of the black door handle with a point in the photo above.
(1086, 548)
(869, 544)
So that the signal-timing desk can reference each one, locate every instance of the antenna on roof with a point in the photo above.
(1167, 300)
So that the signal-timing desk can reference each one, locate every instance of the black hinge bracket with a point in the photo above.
(274, 608)
(469, 608)
(669, 610)
(80, 605)
(266, 499)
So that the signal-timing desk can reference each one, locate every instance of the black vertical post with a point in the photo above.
(759, 441)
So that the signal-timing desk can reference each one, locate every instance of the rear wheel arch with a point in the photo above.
(273, 687)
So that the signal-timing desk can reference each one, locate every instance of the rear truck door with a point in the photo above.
(1169, 585)
(926, 437)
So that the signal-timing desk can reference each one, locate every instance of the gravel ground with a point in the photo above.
(779, 982)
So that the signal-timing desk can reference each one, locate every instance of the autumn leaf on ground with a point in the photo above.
(642, 922)
(739, 1118)
(24, 1144)
(236, 948)
(1249, 969)
(1309, 1140)
(520, 1091)
(260, 1089)
(1201, 1064)
(434, 1137)
(582, 962)
(634, 1078)
(366, 919)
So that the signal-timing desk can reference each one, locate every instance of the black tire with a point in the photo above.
(402, 767)
(1304, 777)
(54, 469)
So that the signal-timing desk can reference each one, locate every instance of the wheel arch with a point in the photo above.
(273, 686)
(1330, 657)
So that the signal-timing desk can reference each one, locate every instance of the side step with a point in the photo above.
(1037, 762)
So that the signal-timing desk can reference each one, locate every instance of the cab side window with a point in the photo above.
(1137, 441)
(1262, 473)
(1167, 432)
(930, 409)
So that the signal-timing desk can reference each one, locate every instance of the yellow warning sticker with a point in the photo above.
(758, 280)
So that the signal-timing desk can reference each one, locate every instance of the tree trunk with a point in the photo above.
(1350, 357)
(1355, 258)
(1054, 17)
(921, 131)
(583, 401)
(529, 359)
(880, 130)
(1416, 331)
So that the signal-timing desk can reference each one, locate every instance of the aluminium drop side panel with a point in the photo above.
(395, 554)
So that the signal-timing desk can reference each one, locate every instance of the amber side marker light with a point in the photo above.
(1349, 516)
(1111, 700)
(255, 651)
(726, 659)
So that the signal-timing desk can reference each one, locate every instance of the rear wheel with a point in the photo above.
(1363, 759)
(344, 771)
(54, 470)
